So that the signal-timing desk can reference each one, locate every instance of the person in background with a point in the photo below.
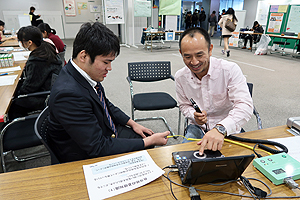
(41, 64)
(2, 37)
(257, 28)
(217, 86)
(83, 123)
(226, 34)
(202, 17)
(195, 18)
(50, 33)
(188, 20)
(212, 23)
(34, 18)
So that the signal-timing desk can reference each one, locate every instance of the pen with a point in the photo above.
(5, 73)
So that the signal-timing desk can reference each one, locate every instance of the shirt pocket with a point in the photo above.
(218, 101)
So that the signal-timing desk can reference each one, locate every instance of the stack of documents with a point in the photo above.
(6, 78)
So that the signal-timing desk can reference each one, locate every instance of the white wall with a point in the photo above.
(250, 6)
(134, 25)
(70, 29)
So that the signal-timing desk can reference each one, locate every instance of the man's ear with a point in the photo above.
(180, 51)
(210, 49)
(82, 56)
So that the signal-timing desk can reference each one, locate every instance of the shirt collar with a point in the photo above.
(84, 74)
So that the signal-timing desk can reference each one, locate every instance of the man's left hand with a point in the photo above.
(212, 140)
(139, 129)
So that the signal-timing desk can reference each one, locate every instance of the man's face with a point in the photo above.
(196, 54)
(99, 69)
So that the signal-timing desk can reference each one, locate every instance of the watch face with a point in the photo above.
(221, 129)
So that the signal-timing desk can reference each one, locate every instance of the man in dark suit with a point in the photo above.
(81, 125)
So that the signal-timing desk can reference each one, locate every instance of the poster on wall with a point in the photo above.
(233, 41)
(275, 22)
(95, 8)
(69, 7)
(81, 6)
(114, 13)
(293, 21)
(142, 8)
(170, 7)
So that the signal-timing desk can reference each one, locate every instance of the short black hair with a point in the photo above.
(32, 33)
(32, 8)
(2, 23)
(96, 39)
(191, 32)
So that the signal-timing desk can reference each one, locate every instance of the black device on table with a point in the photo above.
(212, 166)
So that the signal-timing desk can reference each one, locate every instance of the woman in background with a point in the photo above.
(48, 32)
(226, 34)
(2, 37)
(41, 64)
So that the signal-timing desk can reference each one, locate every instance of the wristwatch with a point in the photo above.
(221, 129)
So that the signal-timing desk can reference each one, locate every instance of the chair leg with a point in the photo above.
(3, 154)
(179, 121)
(157, 118)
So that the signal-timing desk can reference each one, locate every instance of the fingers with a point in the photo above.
(148, 131)
(201, 118)
(166, 133)
(142, 134)
(211, 141)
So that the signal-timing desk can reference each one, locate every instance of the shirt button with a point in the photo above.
(113, 135)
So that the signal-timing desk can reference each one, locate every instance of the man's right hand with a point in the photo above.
(200, 118)
(157, 139)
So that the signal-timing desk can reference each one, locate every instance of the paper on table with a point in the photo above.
(10, 69)
(115, 176)
(7, 80)
(18, 56)
(292, 143)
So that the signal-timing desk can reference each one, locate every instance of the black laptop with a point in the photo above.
(212, 166)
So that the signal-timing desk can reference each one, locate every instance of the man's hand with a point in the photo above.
(157, 139)
(200, 118)
(139, 129)
(212, 140)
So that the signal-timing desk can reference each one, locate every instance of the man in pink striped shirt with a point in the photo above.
(217, 86)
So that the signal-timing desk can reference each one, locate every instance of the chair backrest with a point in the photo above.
(53, 79)
(149, 71)
(41, 128)
(19, 134)
(250, 87)
(62, 57)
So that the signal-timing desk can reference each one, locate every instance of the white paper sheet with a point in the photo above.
(23, 55)
(7, 80)
(9, 69)
(112, 177)
(292, 143)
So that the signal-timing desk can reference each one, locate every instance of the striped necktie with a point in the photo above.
(101, 97)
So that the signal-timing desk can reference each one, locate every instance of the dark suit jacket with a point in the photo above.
(78, 126)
